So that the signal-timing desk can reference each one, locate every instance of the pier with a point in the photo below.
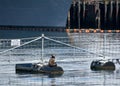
(94, 14)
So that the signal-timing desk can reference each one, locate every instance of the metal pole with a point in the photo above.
(105, 12)
(42, 54)
(74, 10)
(69, 20)
(104, 45)
(117, 9)
(84, 10)
(79, 8)
(111, 10)
(98, 16)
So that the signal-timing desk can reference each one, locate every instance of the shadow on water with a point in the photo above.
(50, 75)
(38, 79)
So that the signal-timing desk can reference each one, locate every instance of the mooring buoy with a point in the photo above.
(38, 68)
(102, 65)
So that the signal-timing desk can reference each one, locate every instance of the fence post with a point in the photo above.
(42, 54)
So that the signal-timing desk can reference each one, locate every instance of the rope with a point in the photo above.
(44, 37)
(20, 45)
(100, 55)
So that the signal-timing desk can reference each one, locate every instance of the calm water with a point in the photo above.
(76, 64)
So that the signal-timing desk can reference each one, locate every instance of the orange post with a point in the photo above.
(75, 30)
(117, 31)
(87, 30)
(95, 31)
(67, 30)
(109, 31)
(101, 31)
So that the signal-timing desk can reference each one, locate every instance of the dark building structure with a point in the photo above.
(94, 14)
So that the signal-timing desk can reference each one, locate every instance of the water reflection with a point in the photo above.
(49, 75)
(53, 82)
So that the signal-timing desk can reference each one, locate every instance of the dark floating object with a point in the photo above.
(102, 65)
(38, 68)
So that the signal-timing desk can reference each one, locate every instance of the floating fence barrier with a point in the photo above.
(77, 45)
(72, 53)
